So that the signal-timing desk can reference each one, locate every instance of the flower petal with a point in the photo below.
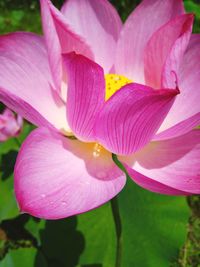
(172, 37)
(178, 129)
(170, 77)
(185, 112)
(96, 21)
(147, 18)
(59, 39)
(10, 125)
(25, 80)
(85, 96)
(169, 166)
(131, 116)
(56, 177)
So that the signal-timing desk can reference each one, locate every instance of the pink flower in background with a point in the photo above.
(10, 125)
(135, 93)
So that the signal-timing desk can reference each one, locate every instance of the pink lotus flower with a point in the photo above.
(148, 122)
(10, 125)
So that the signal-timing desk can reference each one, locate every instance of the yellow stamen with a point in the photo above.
(97, 150)
(113, 83)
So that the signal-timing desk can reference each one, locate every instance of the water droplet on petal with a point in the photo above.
(97, 150)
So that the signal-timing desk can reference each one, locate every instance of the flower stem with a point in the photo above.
(118, 229)
(17, 142)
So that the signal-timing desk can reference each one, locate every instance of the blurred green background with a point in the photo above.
(158, 231)
(24, 14)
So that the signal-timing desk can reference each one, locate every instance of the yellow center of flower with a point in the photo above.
(113, 83)
(97, 150)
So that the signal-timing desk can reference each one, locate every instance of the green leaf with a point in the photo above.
(8, 154)
(59, 240)
(8, 206)
(87, 240)
(154, 230)
(16, 17)
(192, 7)
(24, 257)
(154, 227)
(34, 226)
(98, 229)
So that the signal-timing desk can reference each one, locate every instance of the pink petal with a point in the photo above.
(85, 96)
(170, 77)
(25, 44)
(131, 116)
(59, 39)
(147, 18)
(153, 185)
(185, 113)
(178, 129)
(56, 177)
(25, 80)
(173, 37)
(99, 24)
(10, 125)
(169, 166)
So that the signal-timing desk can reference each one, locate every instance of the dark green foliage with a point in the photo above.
(24, 15)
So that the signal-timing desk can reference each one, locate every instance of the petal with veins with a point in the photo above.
(85, 96)
(169, 166)
(25, 80)
(56, 177)
(131, 117)
(59, 39)
(147, 18)
(185, 112)
(170, 40)
(99, 24)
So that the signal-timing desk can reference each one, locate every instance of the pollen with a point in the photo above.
(113, 83)
(97, 150)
